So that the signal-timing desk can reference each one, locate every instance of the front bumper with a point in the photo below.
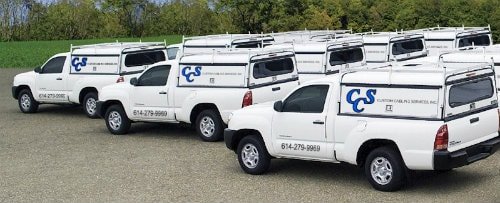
(14, 89)
(444, 160)
(229, 139)
(99, 110)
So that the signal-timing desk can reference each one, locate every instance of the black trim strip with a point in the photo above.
(206, 46)
(406, 39)
(93, 73)
(439, 40)
(253, 41)
(392, 86)
(468, 78)
(496, 64)
(206, 86)
(312, 73)
(389, 117)
(332, 72)
(131, 72)
(213, 64)
(413, 57)
(273, 83)
(376, 61)
(96, 55)
(465, 114)
(312, 52)
(144, 50)
(272, 58)
(375, 44)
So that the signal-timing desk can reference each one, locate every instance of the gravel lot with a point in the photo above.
(58, 154)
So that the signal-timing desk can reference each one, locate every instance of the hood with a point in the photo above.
(116, 86)
(24, 78)
(256, 108)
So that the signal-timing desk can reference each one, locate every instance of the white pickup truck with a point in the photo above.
(76, 77)
(201, 89)
(387, 119)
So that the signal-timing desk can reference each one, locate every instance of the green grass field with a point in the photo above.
(30, 54)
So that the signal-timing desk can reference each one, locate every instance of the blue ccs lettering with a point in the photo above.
(369, 99)
(188, 74)
(79, 64)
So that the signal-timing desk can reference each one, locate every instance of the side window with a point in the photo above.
(309, 99)
(272, 68)
(156, 76)
(482, 40)
(407, 47)
(346, 56)
(55, 65)
(172, 53)
(144, 58)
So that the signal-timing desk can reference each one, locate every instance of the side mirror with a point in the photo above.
(134, 81)
(278, 106)
(38, 70)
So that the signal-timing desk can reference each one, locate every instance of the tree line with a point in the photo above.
(86, 19)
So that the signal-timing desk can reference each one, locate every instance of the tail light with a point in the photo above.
(441, 141)
(120, 79)
(247, 99)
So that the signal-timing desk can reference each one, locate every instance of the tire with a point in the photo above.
(27, 103)
(253, 156)
(117, 121)
(389, 171)
(209, 126)
(89, 104)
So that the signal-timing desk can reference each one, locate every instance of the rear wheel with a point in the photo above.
(209, 126)
(116, 120)
(253, 156)
(27, 103)
(90, 104)
(385, 169)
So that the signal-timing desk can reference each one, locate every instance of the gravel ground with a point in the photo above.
(59, 155)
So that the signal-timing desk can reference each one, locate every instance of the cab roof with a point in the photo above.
(234, 56)
(116, 48)
(225, 40)
(451, 32)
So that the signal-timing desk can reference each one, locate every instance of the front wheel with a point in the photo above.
(209, 126)
(27, 103)
(90, 104)
(253, 156)
(385, 169)
(116, 120)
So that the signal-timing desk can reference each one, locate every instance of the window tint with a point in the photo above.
(407, 47)
(309, 99)
(272, 68)
(481, 40)
(346, 56)
(156, 76)
(249, 45)
(55, 65)
(469, 92)
(172, 53)
(144, 58)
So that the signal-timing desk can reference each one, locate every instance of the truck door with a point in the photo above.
(51, 81)
(299, 129)
(149, 97)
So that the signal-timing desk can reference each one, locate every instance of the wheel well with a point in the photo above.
(199, 108)
(22, 87)
(240, 134)
(369, 146)
(107, 104)
(85, 91)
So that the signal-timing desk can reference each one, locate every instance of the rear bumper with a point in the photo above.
(99, 109)
(444, 160)
(14, 88)
(229, 139)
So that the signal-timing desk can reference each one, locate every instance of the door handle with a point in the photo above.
(318, 122)
(58, 78)
(473, 120)
(276, 89)
(162, 92)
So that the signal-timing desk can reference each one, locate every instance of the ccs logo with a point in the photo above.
(79, 64)
(370, 99)
(188, 74)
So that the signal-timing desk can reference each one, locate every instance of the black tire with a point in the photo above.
(384, 181)
(121, 122)
(26, 102)
(248, 147)
(209, 126)
(89, 104)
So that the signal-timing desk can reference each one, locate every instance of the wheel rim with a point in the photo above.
(250, 155)
(114, 120)
(91, 105)
(207, 126)
(381, 170)
(25, 101)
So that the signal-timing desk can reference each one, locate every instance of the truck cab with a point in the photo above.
(386, 119)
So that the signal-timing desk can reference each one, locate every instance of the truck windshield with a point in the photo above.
(407, 46)
(346, 56)
(469, 92)
(478, 40)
